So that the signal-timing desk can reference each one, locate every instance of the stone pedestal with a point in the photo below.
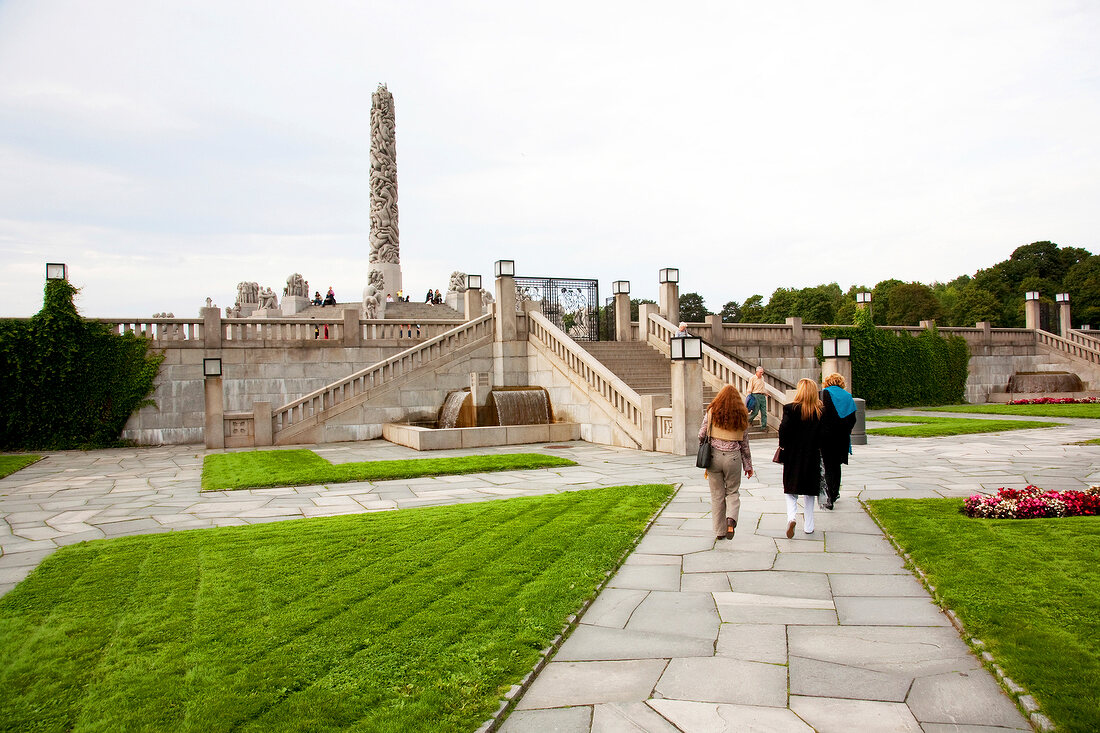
(353, 332)
(391, 277)
(622, 317)
(841, 365)
(455, 301)
(687, 406)
(1064, 322)
(506, 308)
(212, 327)
(1031, 314)
(214, 408)
(668, 299)
(643, 319)
(264, 313)
(293, 304)
(261, 416)
(717, 330)
(859, 430)
(471, 302)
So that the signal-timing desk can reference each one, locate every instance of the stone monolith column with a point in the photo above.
(385, 256)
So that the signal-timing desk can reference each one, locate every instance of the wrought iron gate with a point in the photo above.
(573, 305)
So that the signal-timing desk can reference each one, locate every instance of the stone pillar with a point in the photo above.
(622, 317)
(214, 429)
(385, 255)
(643, 319)
(471, 300)
(687, 405)
(717, 331)
(1031, 314)
(212, 327)
(1064, 321)
(505, 308)
(668, 299)
(842, 365)
(986, 339)
(796, 335)
(859, 430)
(353, 333)
(261, 417)
(928, 325)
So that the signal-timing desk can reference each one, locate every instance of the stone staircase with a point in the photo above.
(647, 371)
(405, 312)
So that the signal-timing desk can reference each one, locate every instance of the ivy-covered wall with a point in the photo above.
(899, 370)
(66, 382)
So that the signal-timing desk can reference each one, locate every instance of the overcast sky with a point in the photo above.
(167, 151)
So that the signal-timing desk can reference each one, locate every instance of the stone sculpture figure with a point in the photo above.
(296, 287)
(383, 179)
(248, 293)
(372, 295)
(268, 299)
(458, 282)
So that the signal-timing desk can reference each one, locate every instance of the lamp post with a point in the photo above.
(504, 268)
(621, 289)
(509, 350)
(214, 429)
(837, 353)
(687, 392)
(668, 294)
(863, 300)
(472, 297)
(56, 271)
(1031, 309)
(1064, 317)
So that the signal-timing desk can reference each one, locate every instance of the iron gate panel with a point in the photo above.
(572, 304)
(609, 318)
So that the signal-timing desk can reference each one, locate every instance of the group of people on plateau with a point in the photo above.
(815, 437)
(814, 440)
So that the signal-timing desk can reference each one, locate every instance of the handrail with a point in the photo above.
(779, 383)
(381, 373)
(1084, 338)
(619, 396)
(720, 369)
(1071, 348)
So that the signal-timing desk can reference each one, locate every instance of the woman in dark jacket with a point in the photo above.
(837, 420)
(800, 441)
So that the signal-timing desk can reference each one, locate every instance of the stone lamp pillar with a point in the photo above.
(214, 408)
(1064, 322)
(838, 359)
(668, 294)
(509, 352)
(1031, 310)
(687, 393)
(621, 288)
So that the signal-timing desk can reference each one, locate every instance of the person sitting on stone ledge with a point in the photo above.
(317, 298)
(430, 297)
(330, 298)
(438, 297)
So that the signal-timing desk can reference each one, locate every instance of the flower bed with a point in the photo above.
(1032, 503)
(1057, 401)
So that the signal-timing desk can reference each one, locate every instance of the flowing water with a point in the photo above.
(1045, 382)
(452, 406)
(521, 406)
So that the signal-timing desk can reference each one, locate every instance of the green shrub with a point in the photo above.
(899, 370)
(66, 382)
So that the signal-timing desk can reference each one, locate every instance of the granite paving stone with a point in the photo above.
(753, 642)
(831, 715)
(629, 717)
(878, 611)
(724, 680)
(969, 698)
(593, 643)
(613, 607)
(681, 613)
(585, 683)
(700, 716)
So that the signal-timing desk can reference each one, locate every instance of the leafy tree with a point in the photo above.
(731, 312)
(911, 303)
(692, 308)
(974, 305)
(880, 300)
(752, 310)
(1082, 282)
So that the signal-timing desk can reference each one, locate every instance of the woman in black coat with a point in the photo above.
(838, 418)
(800, 441)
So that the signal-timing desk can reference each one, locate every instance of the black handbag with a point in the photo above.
(703, 457)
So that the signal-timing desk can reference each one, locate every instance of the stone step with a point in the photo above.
(413, 312)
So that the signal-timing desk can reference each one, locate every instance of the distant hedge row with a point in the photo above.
(899, 370)
(66, 382)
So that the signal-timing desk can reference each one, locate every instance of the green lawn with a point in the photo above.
(11, 464)
(1093, 441)
(1085, 410)
(399, 621)
(257, 469)
(935, 427)
(1028, 588)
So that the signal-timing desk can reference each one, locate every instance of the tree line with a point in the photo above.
(994, 294)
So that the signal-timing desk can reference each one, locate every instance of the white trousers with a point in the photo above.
(808, 512)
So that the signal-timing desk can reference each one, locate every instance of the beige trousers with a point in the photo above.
(724, 476)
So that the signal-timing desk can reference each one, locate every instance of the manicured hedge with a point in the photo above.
(899, 370)
(66, 382)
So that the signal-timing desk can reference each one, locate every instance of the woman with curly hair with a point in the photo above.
(726, 420)
(800, 445)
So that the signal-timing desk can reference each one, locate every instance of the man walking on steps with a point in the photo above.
(760, 398)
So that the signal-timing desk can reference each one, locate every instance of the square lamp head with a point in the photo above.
(212, 367)
(1061, 298)
(504, 268)
(56, 271)
(1031, 295)
(685, 348)
(621, 287)
(669, 275)
(473, 282)
(863, 297)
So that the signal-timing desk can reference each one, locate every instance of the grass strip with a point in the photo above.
(1080, 410)
(1093, 441)
(935, 427)
(301, 467)
(11, 464)
(417, 620)
(1028, 588)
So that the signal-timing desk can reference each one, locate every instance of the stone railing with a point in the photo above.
(312, 405)
(617, 396)
(1084, 338)
(1070, 348)
(178, 331)
(718, 369)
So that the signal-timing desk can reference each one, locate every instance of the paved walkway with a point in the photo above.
(822, 632)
